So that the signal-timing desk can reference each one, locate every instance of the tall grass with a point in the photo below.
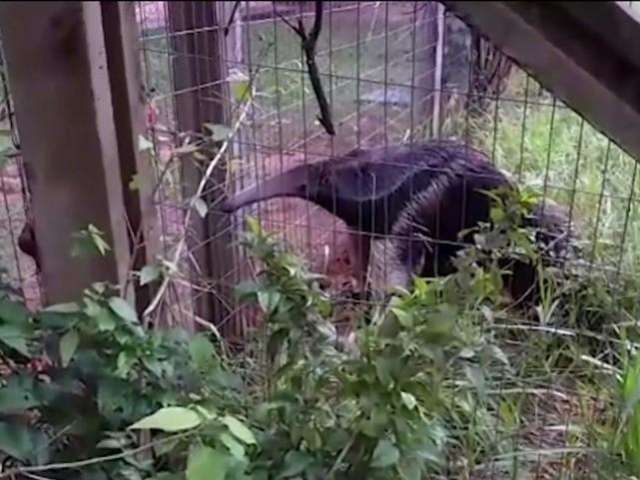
(550, 148)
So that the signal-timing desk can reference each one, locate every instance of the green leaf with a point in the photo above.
(112, 443)
(19, 394)
(312, 437)
(202, 352)
(385, 455)
(268, 301)
(404, 318)
(169, 419)
(144, 144)
(499, 354)
(149, 273)
(466, 353)
(124, 363)
(295, 463)
(241, 90)
(119, 400)
(235, 447)
(205, 463)
(497, 214)
(208, 413)
(122, 308)
(408, 400)
(239, 429)
(23, 443)
(129, 473)
(13, 312)
(253, 226)
(508, 414)
(102, 246)
(15, 337)
(409, 469)
(240, 86)
(105, 320)
(70, 307)
(275, 342)
(476, 377)
(387, 369)
(68, 345)
(166, 448)
(134, 184)
(201, 207)
(82, 245)
(218, 132)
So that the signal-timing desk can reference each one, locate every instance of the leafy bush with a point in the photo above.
(87, 370)
(88, 393)
(319, 410)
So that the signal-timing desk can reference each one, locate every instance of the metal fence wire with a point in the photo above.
(393, 73)
(18, 272)
(399, 72)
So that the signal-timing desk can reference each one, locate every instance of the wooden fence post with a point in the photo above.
(77, 123)
(129, 108)
(439, 57)
(426, 45)
(199, 73)
(60, 87)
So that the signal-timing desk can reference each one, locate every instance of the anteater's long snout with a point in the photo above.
(228, 206)
(288, 184)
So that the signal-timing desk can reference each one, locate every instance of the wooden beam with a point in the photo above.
(199, 73)
(427, 34)
(129, 107)
(583, 52)
(60, 87)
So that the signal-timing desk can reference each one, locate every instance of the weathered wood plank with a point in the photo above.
(60, 86)
(584, 52)
(199, 73)
(129, 107)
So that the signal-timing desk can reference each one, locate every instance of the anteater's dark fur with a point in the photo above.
(432, 189)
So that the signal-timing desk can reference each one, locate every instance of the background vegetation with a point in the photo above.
(443, 381)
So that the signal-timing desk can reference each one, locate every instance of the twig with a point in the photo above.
(34, 477)
(289, 24)
(187, 218)
(231, 17)
(309, 43)
(90, 461)
(341, 456)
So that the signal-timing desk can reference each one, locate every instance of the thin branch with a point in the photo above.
(187, 218)
(90, 461)
(34, 477)
(309, 43)
(231, 17)
(341, 456)
(317, 25)
(289, 24)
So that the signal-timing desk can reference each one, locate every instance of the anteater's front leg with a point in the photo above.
(360, 252)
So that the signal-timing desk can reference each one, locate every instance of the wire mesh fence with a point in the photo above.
(393, 73)
(18, 271)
